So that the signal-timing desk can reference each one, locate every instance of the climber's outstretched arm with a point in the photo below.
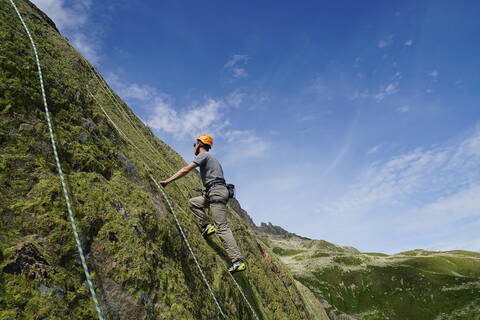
(182, 172)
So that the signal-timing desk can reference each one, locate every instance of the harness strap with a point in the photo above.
(209, 185)
(218, 201)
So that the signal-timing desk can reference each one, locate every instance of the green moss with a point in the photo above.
(320, 254)
(349, 260)
(287, 252)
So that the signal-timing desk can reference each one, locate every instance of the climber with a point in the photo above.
(215, 196)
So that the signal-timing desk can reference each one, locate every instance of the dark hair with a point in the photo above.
(206, 146)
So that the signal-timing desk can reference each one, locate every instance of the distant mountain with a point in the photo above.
(348, 284)
(416, 284)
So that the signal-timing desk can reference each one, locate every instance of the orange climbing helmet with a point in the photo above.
(206, 139)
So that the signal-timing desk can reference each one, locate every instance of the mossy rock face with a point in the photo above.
(139, 263)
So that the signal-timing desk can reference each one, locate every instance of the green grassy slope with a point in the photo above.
(416, 284)
(140, 265)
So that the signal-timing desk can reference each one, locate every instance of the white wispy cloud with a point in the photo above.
(444, 211)
(206, 117)
(466, 239)
(72, 19)
(236, 98)
(385, 91)
(357, 95)
(243, 145)
(408, 43)
(65, 17)
(181, 123)
(132, 90)
(248, 99)
(236, 65)
(403, 109)
(88, 46)
(383, 43)
(439, 180)
(320, 88)
(434, 74)
(373, 149)
(209, 116)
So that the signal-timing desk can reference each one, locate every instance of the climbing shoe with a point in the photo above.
(237, 267)
(208, 230)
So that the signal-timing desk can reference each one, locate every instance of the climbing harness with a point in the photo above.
(60, 172)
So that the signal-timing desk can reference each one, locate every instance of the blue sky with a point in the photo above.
(353, 122)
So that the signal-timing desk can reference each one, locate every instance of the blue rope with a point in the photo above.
(60, 172)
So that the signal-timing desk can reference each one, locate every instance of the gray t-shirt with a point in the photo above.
(210, 168)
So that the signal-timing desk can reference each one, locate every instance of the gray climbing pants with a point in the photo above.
(219, 214)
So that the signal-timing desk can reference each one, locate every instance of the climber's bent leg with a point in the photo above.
(197, 205)
(218, 208)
